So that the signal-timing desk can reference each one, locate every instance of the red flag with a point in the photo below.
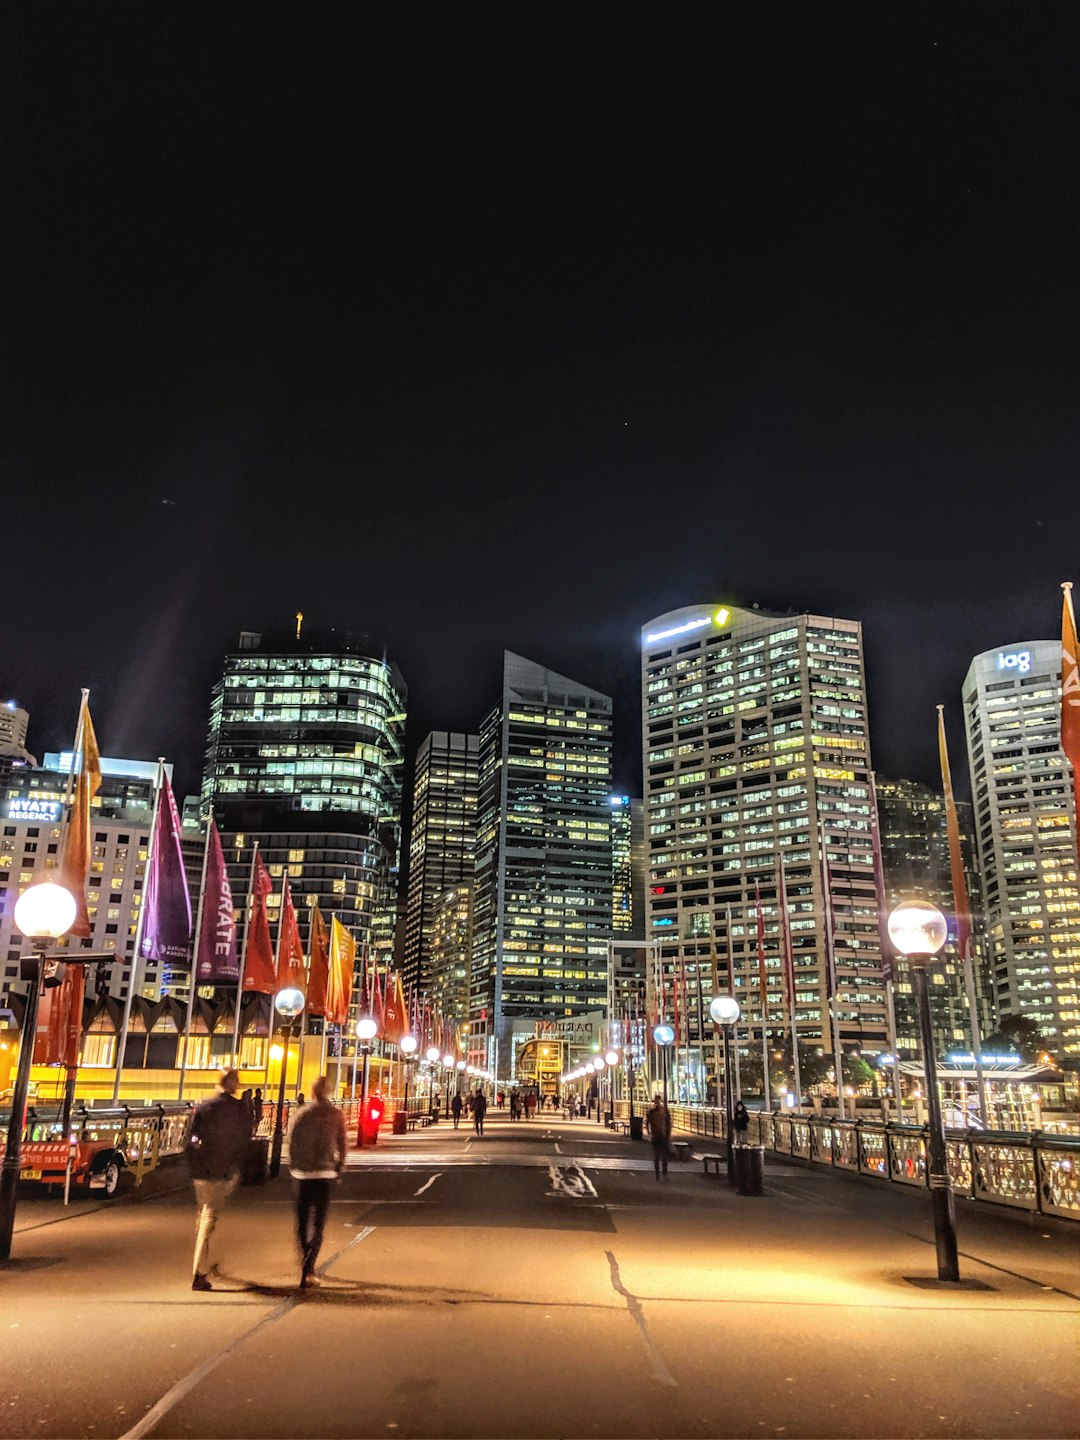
(260, 975)
(394, 1022)
(376, 995)
(59, 1030)
(290, 952)
(1070, 691)
(319, 973)
(215, 956)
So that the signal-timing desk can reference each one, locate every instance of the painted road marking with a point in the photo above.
(570, 1181)
(173, 1396)
(428, 1184)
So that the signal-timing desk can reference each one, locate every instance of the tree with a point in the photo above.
(1017, 1035)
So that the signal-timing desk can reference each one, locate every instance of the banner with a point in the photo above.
(217, 959)
(956, 860)
(319, 973)
(75, 864)
(166, 932)
(290, 953)
(342, 964)
(260, 975)
(1070, 693)
(59, 1028)
(395, 1023)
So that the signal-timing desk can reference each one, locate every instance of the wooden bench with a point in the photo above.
(715, 1161)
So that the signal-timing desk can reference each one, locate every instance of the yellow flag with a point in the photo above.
(342, 962)
(961, 903)
(75, 864)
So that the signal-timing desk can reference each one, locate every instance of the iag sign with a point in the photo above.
(1017, 660)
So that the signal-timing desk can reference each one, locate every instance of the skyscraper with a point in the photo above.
(543, 882)
(755, 733)
(1026, 836)
(627, 860)
(305, 756)
(442, 840)
(915, 862)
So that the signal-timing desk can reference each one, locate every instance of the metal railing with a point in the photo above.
(1032, 1171)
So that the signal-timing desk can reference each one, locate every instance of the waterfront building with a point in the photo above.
(304, 758)
(755, 732)
(441, 844)
(543, 877)
(1026, 837)
(915, 863)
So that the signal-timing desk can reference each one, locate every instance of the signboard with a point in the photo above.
(48, 812)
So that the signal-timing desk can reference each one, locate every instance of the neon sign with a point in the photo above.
(722, 616)
(1018, 660)
(27, 808)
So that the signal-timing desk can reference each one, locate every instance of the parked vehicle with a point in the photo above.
(103, 1145)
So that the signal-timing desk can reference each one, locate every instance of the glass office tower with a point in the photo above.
(543, 879)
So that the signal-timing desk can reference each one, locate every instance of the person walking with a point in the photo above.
(479, 1110)
(740, 1123)
(658, 1124)
(455, 1110)
(317, 1150)
(256, 1111)
(220, 1132)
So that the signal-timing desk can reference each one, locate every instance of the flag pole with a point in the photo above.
(249, 912)
(195, 958)
(139, 927)
(789, 971)
(763, 982)
(830, 973)
(72, 1071)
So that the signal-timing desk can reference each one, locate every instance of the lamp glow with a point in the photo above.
(612, 1057)
(45, 911)
(289, 1002)
(918, 928)
(460, 1065)
(725, 1009)
(366, 1028)
(448, 1061)
(407, 1044)
(432, 1053)
(663, 1034)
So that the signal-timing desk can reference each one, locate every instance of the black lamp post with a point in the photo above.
(407, 1046)
(289, 1004)
(433, 1057)
(918, 931)
(725, 1012)
(43, 913)
(664, 1036)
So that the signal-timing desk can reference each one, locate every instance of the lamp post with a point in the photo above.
(918, 931)
(289, 1003)
(366, 1030)
(664, 1037)
(448, 1066)
(407, 1046)
(43, 913)
(431, 1054)
(725, 1012)
(612, 1059)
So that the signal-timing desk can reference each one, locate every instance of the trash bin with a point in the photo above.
(750, 1169)
(637, 1127)
(401, 1122)
(256, 1161)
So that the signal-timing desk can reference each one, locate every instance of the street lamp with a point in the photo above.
(289, 1003)
(407, 1046)
(664, 1036)
(448, 1066)
(43, 913)
(366, 1030)
(432, 1055)
(725, 1012)
(918, 930)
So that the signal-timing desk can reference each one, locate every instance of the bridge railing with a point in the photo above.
(1032, 1171)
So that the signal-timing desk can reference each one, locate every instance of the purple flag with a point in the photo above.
(167, 922)
(216, 959)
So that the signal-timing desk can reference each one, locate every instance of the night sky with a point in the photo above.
(483, 326)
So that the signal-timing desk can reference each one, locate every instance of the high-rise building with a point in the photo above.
(14, 721)
(915, 862)
(543, 880)
(755, 732)
(1026, 836)
(628, 867)
(305, 757)
(442, 841)
(450, 950)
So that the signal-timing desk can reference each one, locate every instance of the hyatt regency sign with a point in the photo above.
(47, 811)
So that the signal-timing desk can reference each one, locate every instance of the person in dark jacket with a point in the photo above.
(658, 1124)
(220, 1132)
(317, 1150)
(740, 1123)
(256, 1111)
(479, 1110)
(455, 1110)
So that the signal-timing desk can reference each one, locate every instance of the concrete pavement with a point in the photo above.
(539, 1282)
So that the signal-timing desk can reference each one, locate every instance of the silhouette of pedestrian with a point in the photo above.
(220, 1132)
(479, 1110)
(317, 1150)
(740, 1123)
(658, 1124)
(455, 1110)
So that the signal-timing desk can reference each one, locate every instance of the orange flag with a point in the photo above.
(59, 1030)
(342, 964)
(395, 1023)
(319, 972)
(75, 865)
(1070, 689)
(290, 952)
(961, 903)
(260, 976)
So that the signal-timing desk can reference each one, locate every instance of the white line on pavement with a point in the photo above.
(428, 1184)
(173, 1396)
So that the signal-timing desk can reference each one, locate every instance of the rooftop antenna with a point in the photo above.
(299, 622)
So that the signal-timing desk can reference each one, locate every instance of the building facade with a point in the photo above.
(304, 758)
(755, 735)
(1026, 836)
(543, 878)
(450, 945)
(915, 863)
(628, 867)
(442, 842)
